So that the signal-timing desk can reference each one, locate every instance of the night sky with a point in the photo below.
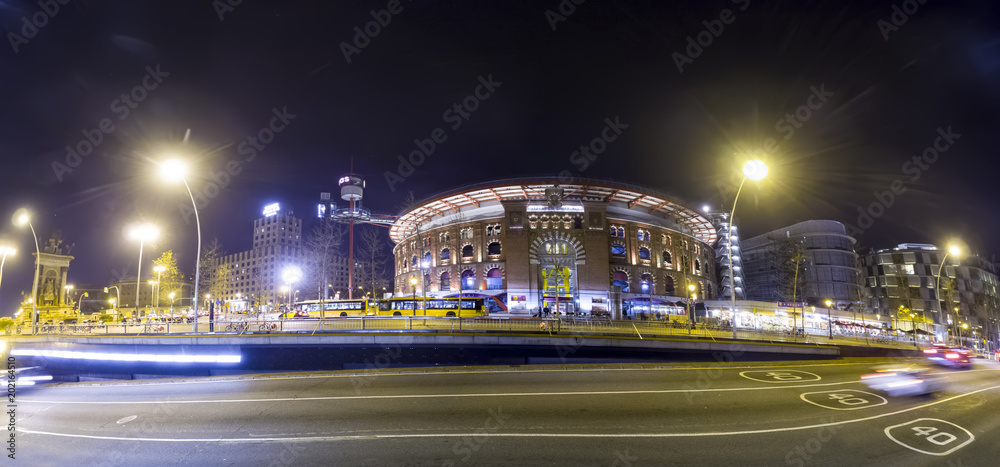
(846, 94)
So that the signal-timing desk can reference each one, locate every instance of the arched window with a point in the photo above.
(647, 283)
(489, 230)
(468, 279)
(697, 267)
(639, 235)
(467, 251)
(427, 241)
(413, 262)
(644, 253)
(620, 279)
(621, 232)
(445, 254)
(614, 232)
(668, 285)
(427, 260)
(493, 248)
(666, 257)
(617, 249)
(445, 281)
(494, 279)
(427, 279)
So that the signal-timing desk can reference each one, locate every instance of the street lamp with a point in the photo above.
(5, 250)
(754, 170)
(143, 233)
(159, 270)
(152, 293)
(20, 219)
(690, 304)
(171, 297)
(413, 283)
(79, 304)
(115, 302)
(955, 250)
(173, 170)
(67, 289)
(829, 320)
(291, 275)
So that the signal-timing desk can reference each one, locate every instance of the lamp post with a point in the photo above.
(152, 293)
(965, 326)
(67, 289)
(79, 305)
(142, 233)
(171, 297)
(291, 275)
(955, 250)
(22, 218)
(754, 170)
(413, 284)
(5, 250)
(174, 170)
(913, 325)
(691, 305)
(116, 302)
(829, 319)
(159, 270)
(423, 282)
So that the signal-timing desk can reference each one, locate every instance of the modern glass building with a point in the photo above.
(828, 271)
(904, 280)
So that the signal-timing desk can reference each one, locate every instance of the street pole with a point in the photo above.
(34, 285)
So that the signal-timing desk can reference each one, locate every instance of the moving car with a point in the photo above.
(952, 357)
(295, 314)
(910, 380)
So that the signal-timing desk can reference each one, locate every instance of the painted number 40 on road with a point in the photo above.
(930, 436)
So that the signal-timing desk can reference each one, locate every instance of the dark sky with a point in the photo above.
(887, 91)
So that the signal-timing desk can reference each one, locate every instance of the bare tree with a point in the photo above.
(372, 259)
(323, 249)
(211, 257)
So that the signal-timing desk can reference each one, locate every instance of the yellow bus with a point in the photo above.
(437, 307)
(337, 308)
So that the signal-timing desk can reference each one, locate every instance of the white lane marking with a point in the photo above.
(509, 435)
(847, 405)
(780, 376)
(419, 396)
(127, 419)
(436, 372)
(953, 438)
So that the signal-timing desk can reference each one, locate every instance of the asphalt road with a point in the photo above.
(796, 413)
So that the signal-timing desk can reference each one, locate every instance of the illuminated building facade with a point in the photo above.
(586, 247)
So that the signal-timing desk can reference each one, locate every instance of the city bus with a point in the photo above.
(337, 308)
(436, 307)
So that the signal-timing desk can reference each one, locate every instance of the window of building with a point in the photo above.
(621, 232)
(445, 281)
(494, 279)
(467, 251)
(413, 261)
(644, 253)
(445, 254)
(620, 279)
(614, 232)
(666, 257)
(668, 285)
(617, 249)
(426, 263)
(468, 279)
(493, 248)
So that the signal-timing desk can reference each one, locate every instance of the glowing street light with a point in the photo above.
(829, 320)
(143, 233)
(68, 288)
(953, 249)
(159, 270)
(754, 170)
(4, 251)
(22, 218)
(172, 171)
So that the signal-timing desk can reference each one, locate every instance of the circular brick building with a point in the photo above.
(584, 247)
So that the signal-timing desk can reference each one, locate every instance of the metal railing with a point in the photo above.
(595, 327)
